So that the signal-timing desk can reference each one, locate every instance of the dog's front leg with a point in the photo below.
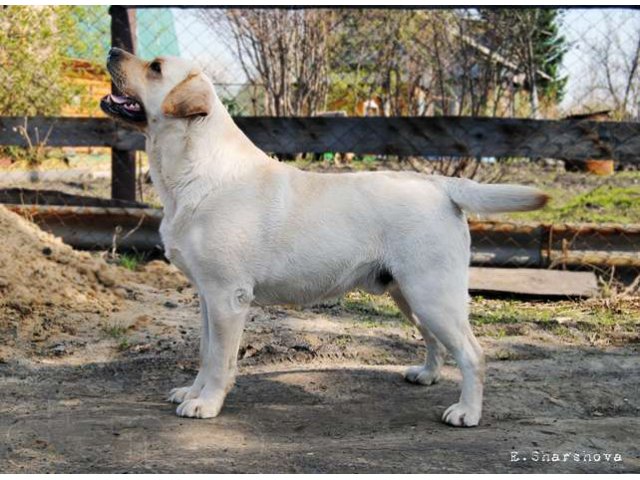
(225, 318)
(179, 395)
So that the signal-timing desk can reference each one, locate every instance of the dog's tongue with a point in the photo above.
(118, 99)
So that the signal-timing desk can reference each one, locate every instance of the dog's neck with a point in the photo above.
(189, 159)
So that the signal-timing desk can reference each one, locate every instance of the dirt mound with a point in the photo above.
(45, 283)
(161, 275)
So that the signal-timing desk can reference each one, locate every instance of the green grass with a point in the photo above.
(371, 322)
(367, 305)
(490, 312)
(131, 261)
(566, 319)
(561, 318)
(119, 334)
(115, 331)
(343, 340)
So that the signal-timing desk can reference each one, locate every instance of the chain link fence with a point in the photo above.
(543, 63)
(508, 63)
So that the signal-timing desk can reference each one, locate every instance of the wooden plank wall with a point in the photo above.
(426, 136)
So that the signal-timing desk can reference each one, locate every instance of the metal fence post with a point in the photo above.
(123, 162)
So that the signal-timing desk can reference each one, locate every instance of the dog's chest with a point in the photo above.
(171, 249)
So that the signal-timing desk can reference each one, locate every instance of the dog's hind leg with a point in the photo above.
(429, 372)
(179, 395)
(439, 301)
(226, 312)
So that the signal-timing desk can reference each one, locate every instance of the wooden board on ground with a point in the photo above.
(528, 281)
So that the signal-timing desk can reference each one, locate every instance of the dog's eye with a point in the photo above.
(155, 66)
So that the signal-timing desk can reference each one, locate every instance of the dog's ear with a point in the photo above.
(190, 98)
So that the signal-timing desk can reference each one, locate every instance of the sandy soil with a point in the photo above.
(89, 351)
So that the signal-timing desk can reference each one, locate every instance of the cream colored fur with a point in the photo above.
(246, 228)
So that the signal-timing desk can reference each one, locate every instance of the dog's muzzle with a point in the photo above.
(123, 107)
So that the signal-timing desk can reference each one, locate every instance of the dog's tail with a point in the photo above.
(493, 198)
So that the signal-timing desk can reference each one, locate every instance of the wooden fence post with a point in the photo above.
(123, 162)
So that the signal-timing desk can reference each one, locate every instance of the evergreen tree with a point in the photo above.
(531, 38)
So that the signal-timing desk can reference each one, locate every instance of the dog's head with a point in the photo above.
(166, 87)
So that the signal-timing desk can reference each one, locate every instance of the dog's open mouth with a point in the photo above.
(125, 108)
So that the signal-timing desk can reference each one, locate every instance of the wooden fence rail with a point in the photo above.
(426, 136)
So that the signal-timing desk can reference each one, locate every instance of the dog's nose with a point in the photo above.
(114, 54)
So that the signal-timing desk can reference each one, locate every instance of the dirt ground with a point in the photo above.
(319, 390)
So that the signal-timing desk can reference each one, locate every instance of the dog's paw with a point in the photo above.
(460, 415)
(179, 395)
(200, 407)
(422, 375)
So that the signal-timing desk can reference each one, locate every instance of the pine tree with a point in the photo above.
(549, 49)
(531, 38)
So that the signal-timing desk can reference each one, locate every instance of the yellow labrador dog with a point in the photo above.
(244, 227)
